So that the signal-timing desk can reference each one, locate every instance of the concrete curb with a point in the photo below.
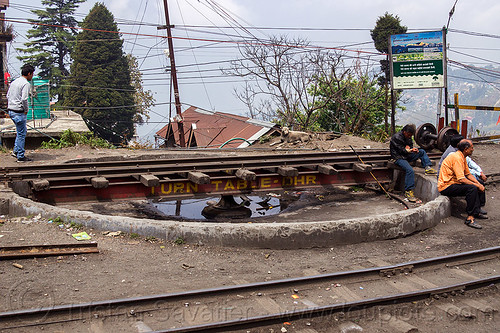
(262, 235)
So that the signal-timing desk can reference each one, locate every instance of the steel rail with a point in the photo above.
(175, 161)
(277, 318)
(58, 183)
(214, 175)
(161, 160)
(458, 258)
(31, 251)
(178, 165)
(234, 164)
(216, 168)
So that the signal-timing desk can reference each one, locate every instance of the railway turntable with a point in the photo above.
(227, 176)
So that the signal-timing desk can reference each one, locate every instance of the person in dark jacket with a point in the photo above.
(403, 153)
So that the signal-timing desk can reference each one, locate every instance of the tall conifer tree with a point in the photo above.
(386, 26)
(51, 40)
(100, 87)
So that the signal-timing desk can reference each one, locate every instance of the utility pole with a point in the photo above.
(5, 36)
(173, 73)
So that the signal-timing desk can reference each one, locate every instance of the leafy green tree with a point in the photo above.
(100, 85)
(386, 26)
(357, 106)
(144, 100)
(51, 40)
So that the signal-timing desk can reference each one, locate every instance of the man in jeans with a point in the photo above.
(403, 153)
(17, 98)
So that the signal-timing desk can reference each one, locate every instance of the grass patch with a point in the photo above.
(71, 139)
(357, 189)
(179, 241)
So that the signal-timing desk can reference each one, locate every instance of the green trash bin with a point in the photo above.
(39, 102)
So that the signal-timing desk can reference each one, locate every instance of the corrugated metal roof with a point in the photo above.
(213, 129)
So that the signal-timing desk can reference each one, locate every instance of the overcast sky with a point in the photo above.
(207, 90)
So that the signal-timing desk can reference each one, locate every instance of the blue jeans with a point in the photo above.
(409, 173)
(20, 120)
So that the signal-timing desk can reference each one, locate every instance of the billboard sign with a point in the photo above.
(417, 60)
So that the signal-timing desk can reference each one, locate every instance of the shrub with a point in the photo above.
(71, 139)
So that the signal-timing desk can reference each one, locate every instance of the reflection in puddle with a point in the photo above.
(192, 208)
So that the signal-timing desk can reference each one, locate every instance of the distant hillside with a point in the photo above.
(421, 104)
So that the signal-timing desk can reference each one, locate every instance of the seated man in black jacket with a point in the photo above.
(403, 152)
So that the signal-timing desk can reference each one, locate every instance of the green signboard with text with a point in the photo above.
(417, 60)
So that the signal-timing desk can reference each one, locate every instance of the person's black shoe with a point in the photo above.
(24, 159)
(481, 217)
(13, 154)
(482, 211)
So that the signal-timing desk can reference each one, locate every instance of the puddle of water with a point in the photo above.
(192, 208)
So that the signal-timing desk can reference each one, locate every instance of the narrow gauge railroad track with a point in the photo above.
(254, 305)
(46, 250)
(194, 176)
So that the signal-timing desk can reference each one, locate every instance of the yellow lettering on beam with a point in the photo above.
(169, 188)
(179, 188)
(192, 187)
(229, 185)
(241, 184)
(216, 183)
(310, 179)
(299, 179)
(265, 182)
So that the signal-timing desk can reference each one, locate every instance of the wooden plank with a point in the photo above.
(480, 306)
(40, 184)
(401, 326)
(149, 180)
(99, 182)
(198, 177)
(361, 167)
(246, 174)
(287, 171)
(327, 169)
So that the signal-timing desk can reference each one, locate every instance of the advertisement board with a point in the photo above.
(417, 60)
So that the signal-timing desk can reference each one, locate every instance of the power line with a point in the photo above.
(473, 70)
(472, 33)
(240, 42)
(469, 55)
(194, 55)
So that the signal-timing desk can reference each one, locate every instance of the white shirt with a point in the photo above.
(18, 93)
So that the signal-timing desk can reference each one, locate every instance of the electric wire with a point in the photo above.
(139, 25)
(196, 61)
(315, 29)
(471, 56)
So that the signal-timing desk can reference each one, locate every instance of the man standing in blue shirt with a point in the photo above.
(17, 98)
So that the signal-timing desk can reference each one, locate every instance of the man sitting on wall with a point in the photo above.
(455, 180)
(402, 152)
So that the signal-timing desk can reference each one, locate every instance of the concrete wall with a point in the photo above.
(262, 235)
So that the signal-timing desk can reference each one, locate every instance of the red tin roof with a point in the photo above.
(208, 129)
